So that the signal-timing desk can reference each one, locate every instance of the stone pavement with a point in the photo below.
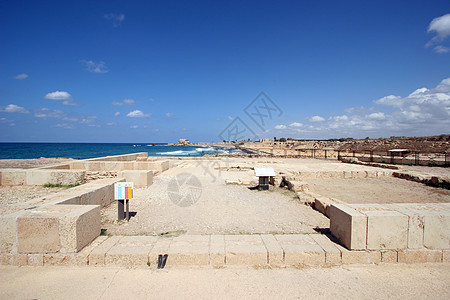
(266, 250)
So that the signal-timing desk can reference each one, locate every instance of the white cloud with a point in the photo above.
(88, 120)
(21, 76)
(440, 26)
(169, 115)
(280, 127)
(116, 18)
(124, 102)
(230, 118)
(111, 123)
(12, 108)
(63, 96)
(137, 114)
(296, 124)
(94, 67)
(316, 119)
(134, 126)
(391, 100)
(116, 114)
(376, 116)
(65, 125)
(441, 49)
(58, 95)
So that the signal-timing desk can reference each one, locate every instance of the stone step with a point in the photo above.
(258, 250)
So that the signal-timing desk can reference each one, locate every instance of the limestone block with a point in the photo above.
(161, 247)
(386, 230)
(274, 250)
(389, 256)
(245, 250)
(36, 259)
(65, 177)
(332, 253)
(79, 226)
(419, 256)
(38, 233)
(8, 232)
(428, 223)
(13, 177)
(359, 256)
(217, 250)
(13, 259)
(97, 255)
(301, 250)
(349, 226)
(186, 250)
(446, 256)
(415, 226)
(140, 178)
(131, 251)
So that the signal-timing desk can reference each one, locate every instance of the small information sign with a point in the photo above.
(123, 191)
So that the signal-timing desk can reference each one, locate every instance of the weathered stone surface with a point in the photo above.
(36, 259)
(428, 223)
(389, 256)
(332, 253)
(188, 250)
(386, 230)
(79, 226)
(217, 250)
(65, 177)
(13, 177)
(359, 256)
(446, 256)
(300, 249)
(8, 232)
(349, 226)
(245, 250)
(131, 251)
(97, 255)
(419, 256)
(38, 233)
(274, 250)
(140, 178)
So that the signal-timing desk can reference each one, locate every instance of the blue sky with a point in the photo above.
(156, 71)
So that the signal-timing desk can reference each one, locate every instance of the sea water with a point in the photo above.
(90, 150)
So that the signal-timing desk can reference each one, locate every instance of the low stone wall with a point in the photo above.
(69, 221)
(391, 226)
(41, 177)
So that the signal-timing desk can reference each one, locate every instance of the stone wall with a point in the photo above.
(391, 226)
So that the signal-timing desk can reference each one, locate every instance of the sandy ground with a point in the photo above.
(14, 198)
(220, 209)
(399, 281)
(378, 190)
(31, 163)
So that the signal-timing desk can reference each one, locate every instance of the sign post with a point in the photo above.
(123, 191)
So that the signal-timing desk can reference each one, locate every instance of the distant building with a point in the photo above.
(183, 142)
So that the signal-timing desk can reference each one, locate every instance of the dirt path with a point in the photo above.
(399, 281)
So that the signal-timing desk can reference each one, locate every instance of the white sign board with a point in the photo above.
(123, 190)
(264, 172)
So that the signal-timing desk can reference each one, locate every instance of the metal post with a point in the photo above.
(325, 154)
(120, 214)
(128, 210)
(339, 154)
(371, 155)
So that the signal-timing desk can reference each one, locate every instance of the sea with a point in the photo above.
(91, 150)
